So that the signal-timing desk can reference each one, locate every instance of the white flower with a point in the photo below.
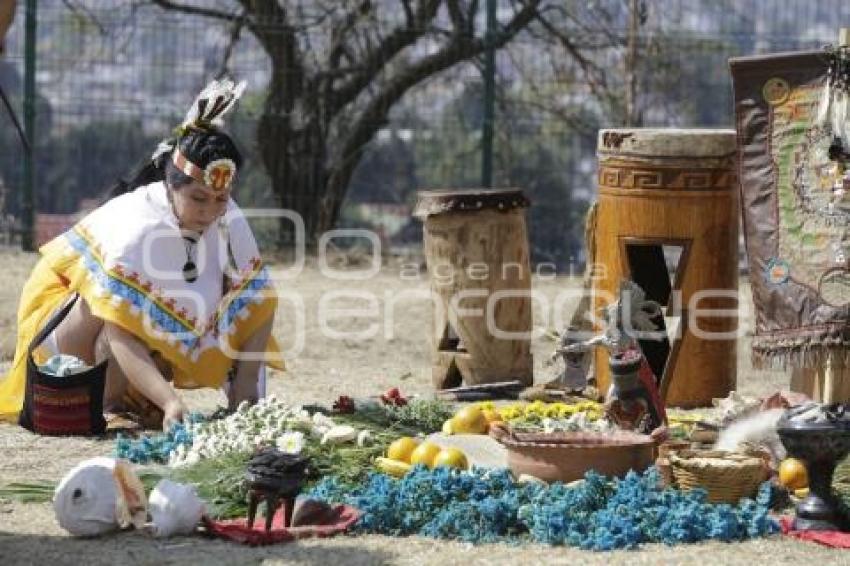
(321, 420)
(302, 415)
(291, 442)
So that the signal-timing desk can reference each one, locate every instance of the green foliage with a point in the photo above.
(530, 153)
(85, 161)
(386, 173)
(219, 481)
(423, 415)
(37, 491)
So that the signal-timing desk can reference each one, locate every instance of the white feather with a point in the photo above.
(225, 89)
(758, 430)
(824, 105)
(164, 147)
(839, 116)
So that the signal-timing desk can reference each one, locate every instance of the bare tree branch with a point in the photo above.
(377, 58)
(269, 22)
(472, 11)
(338, 47)
(595, 76)
(195, 10)
(86, 14)
(408, 12)
(235, 32)
(374, 116)
(267, 19)
(456, 16)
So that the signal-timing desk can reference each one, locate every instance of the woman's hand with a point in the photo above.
(136, 362)
(173, 413)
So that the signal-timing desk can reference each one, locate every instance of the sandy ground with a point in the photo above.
(320, 369)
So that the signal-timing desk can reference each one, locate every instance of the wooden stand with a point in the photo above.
(476, 247)
(827, 384)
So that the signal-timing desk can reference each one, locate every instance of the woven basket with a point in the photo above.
(663, 460)
(726, 476)
(668, 447)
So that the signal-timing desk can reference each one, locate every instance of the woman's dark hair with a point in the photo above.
(200, 146)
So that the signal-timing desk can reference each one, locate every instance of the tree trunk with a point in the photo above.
(304, 180)
(294, 157)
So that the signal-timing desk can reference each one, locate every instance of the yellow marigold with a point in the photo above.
(535, 409)
(569, 410)
(510, 412)
(486, 405)
(551, 411)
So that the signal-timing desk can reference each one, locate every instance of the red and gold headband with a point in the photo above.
(217, 175)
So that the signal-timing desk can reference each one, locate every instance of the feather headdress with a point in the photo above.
(206, 112)
(216, 100)
(208, 109)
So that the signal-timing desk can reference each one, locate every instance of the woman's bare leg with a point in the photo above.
(77, 334)
(116, 381)
(244, 387)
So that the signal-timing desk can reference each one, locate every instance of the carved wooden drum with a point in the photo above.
(476, 246)
(668, 219)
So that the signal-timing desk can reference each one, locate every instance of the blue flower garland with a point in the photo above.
(156, 448)
(488, 506)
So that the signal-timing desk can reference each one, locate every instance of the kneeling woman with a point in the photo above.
(167, 281)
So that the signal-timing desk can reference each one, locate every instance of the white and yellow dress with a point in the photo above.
(126, 260)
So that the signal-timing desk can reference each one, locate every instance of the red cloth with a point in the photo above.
(648, 379)
(337, 519)
(835, 539)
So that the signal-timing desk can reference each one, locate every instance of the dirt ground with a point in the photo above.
(323, 368)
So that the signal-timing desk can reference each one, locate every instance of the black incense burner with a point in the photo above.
(819, 435)
(276, 478)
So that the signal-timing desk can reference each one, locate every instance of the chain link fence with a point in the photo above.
(114, 77)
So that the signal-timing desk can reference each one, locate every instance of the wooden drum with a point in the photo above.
(476, 247)
(668, 219)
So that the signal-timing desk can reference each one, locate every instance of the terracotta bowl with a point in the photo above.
(567, 456)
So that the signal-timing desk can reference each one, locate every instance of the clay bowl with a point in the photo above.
(567, 456)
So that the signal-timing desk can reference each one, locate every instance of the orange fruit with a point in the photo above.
(469, 420)
(451, 457)
(425, 454)
(793, 474)
(401, 449)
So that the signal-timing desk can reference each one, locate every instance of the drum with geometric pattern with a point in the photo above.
(667, 218)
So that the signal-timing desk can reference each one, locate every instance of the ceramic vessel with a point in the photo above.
(567, 456)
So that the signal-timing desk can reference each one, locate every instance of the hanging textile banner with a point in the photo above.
(793, 129)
